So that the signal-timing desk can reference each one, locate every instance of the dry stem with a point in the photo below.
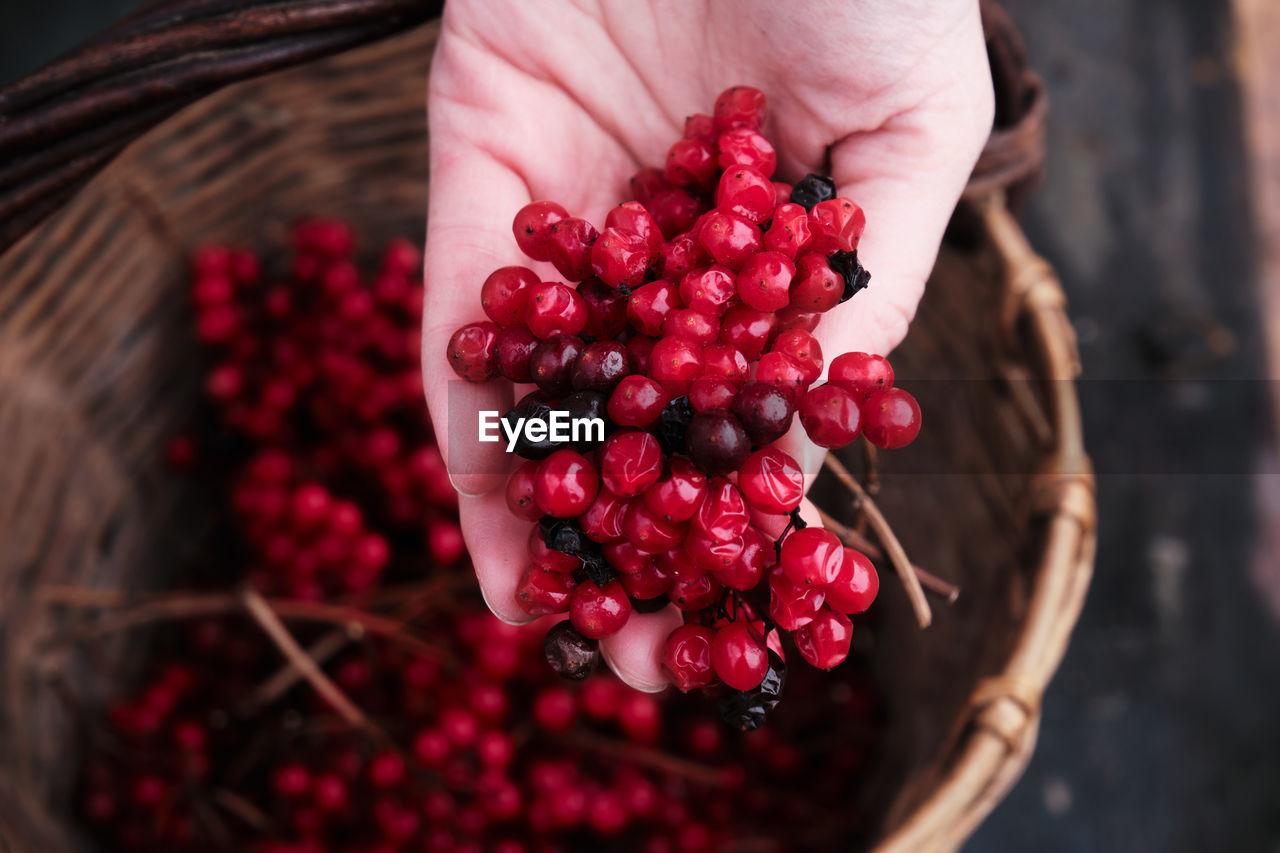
(653, 758)
(893, 548)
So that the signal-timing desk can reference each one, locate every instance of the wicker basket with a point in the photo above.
(96, 371)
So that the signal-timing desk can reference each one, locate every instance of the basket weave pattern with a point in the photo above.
(96, 371)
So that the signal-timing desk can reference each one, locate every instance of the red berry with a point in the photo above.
(746, 571)
(472, 352)
(549, 558)
(598, 612)
(747, 329)
(709, 290)
(764, 282)
(824, 642)
(712, 392)
(602, 522)
(740, 106)
(681, 255)
(675, 363)
(723, 513)
(677, 496)
(619, 258)
(674, 210)
(723, 361)
(691, 163)
(291, 780)
(645, 579)
(782, 371)
(696, 593)
(700, 126)
(856, 586)
(631, 463)
(649, 532)
(532, 224)
(746, 193)
(811, 556)
(730, 240)
(788, 231)
(553, 709)
(712, 555)
(569, 243)
(555, 309)
(837, 226)
(505, 292)
(514, 348)
(631, 216)
(520, 486)
(793, 605)
(649, 305)
(565, 484)
(891, 418)
(541, 593)
(552, 363)
(645, 183)
(738, 656)
(771, 481)
(792, 318)
(687, 657)
(601, 366)
(830, 416)
(697, 328)
(716, 442)
(804, 349)
(386, 770)
(861, 374)
(637, 401)
(817, 287)
(606, 309)
(748, 148)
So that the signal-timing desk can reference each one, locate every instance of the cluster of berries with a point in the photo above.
(473, 744)
(689, 334)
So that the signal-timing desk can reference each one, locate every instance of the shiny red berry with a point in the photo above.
(505, 292)
(771, 481)
(514, 348)
(729, 239)
(782, 371)
(746, 571)
(740, 106)
(674, 363)
(793, 605)
(649, 305)
(631, 463)
(619, 258)
(788, 230)
(700, 126)
(555, 309)
(691, 163)
(696, 327)
(569, 243)
(712, 392)
(817, 287)
(812, 556)
(645, 183)
(830, 416)
(687, 657)
(824, 642)
(552, 363)
(746, 193)
(745, 147)
(837, 226)
(764, 281)
(739, 656)
(804, 349)
(602, 522)
(601, 367)
(520, 499)
(674, 210)
(650, 532)
(637, 401)
(747, 329)
(891, 418)
(709, 290)
(472, 351)
(532, 224)
(856, 586)
(861, 373)
(681, 255)
(694, 593)
(606, 309)
(566, 484)
(599, 612)
(723, 513)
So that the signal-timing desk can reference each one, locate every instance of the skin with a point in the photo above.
(566, 100)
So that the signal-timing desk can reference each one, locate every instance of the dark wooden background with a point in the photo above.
(1162, 731)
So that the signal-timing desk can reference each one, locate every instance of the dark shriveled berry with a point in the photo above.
(571, 655)
(564, 535)
(813, 189)
(582, 405)
(746, 709)
(716, 442)
(524, 447)
(673, 425)
(855, 275)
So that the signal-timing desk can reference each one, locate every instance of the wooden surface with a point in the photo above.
(1160, 731)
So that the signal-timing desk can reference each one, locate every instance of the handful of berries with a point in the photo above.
(689, 335)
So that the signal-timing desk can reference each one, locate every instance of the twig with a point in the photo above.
(655, 759)
(183, 605)
(260, 609)
(243, 809)
(856, 540)
(871, 462)
(288, 675)
(893, 548)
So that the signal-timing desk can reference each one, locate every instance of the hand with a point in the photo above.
(566, 100)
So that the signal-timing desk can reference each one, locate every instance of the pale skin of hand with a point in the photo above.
(566, 100)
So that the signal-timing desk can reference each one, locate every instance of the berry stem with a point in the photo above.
(269, 621)
(893, 548)
(858, 541)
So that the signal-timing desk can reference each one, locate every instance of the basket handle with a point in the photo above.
(64, 123)
(61, 125)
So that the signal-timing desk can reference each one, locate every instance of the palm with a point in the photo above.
(532, 101)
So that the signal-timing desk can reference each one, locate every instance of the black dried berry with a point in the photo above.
(855, 275)
(564, 534)
(588, 405)
(571, 655)
(746, 709)
(530, 410)
(673, 424)
(813, 189)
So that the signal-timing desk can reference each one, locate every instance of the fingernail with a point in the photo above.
(461, 490)
(642, 686)
(516, 622)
